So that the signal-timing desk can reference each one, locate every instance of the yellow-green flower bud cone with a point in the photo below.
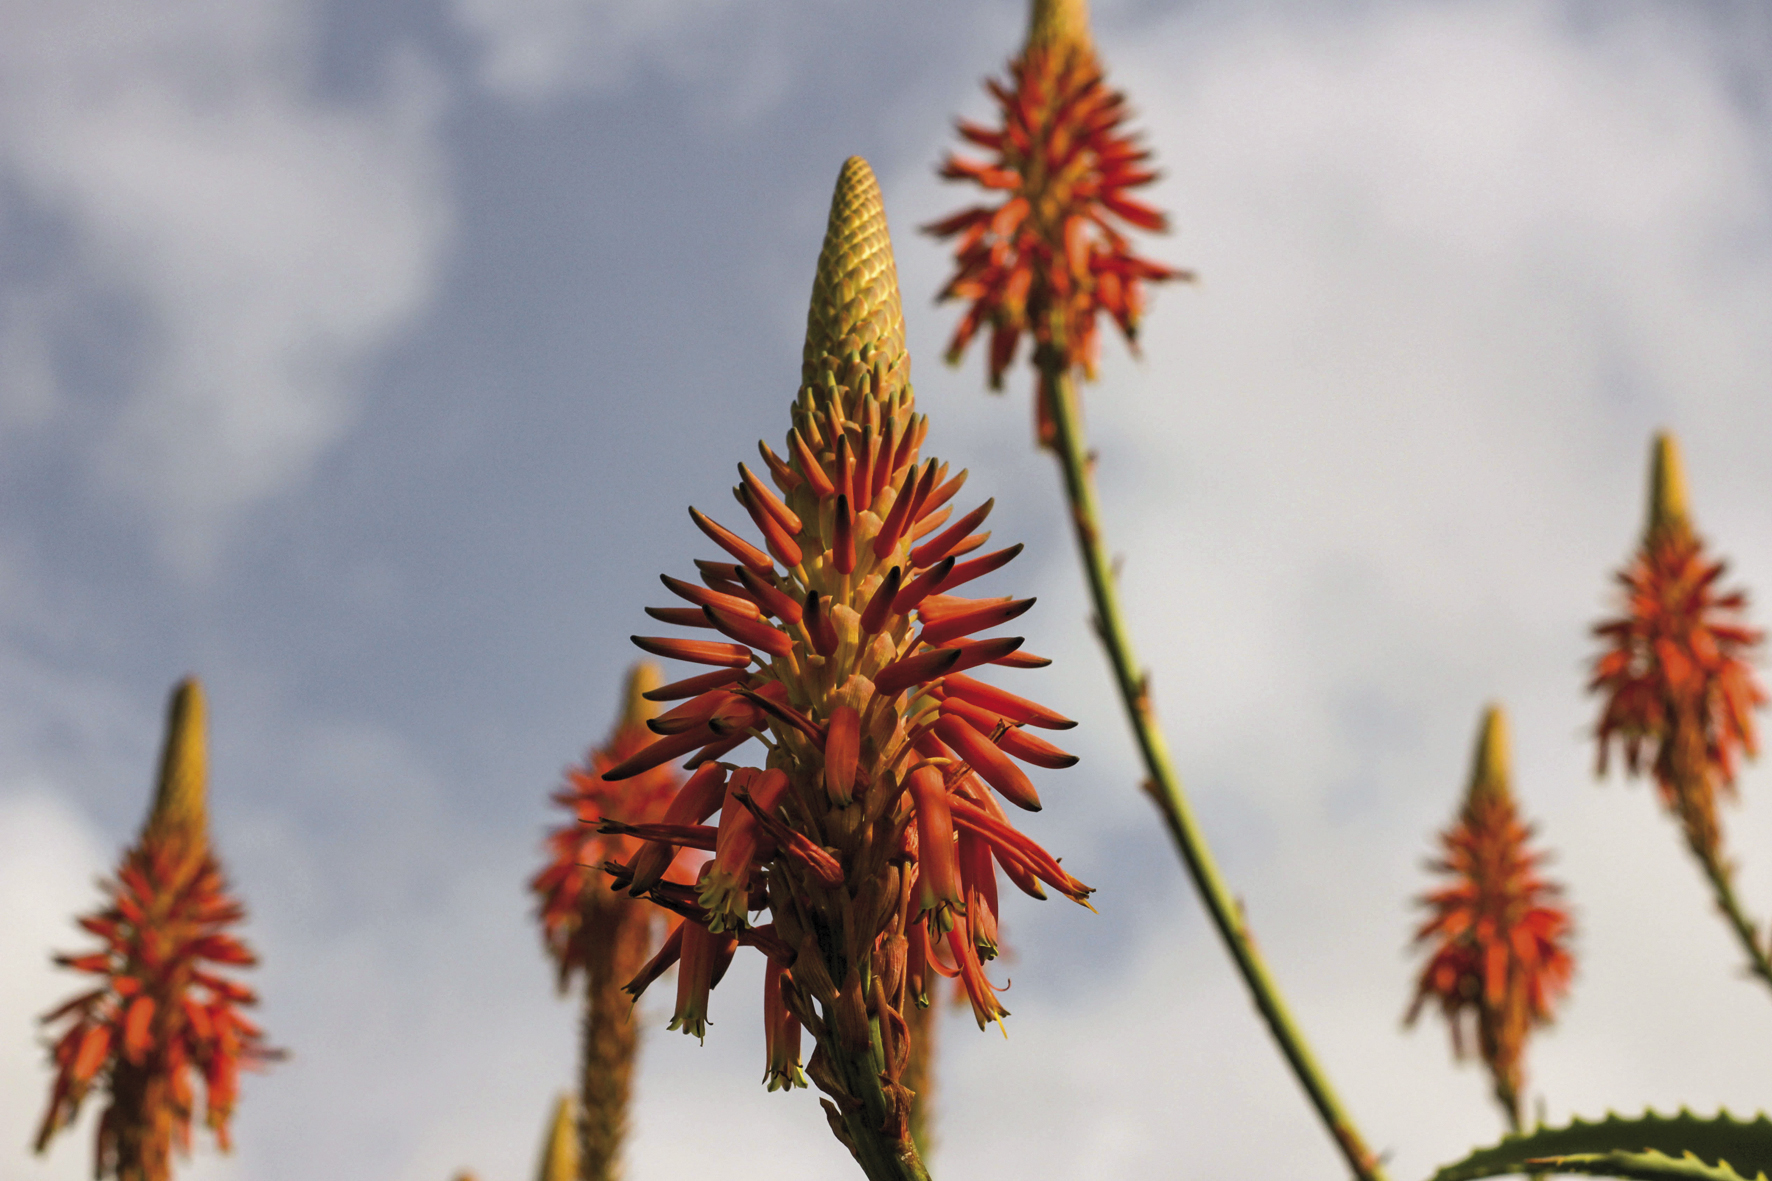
(643, 678)
(1668, 511)
(1491, 777)
(180, 810)
(559, 1151)
(855, 292)
(1059, 22)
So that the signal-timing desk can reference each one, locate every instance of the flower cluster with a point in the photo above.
(1050, 254)
(1678, 693)
(589, 928)
(1500, 954)
(160, 1011)
(578, 913)
(873, 834)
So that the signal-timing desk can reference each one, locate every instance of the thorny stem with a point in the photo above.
(1164, 787)
(617, 949)
(1722, 881)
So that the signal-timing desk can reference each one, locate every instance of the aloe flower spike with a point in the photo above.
(1677, 687)
(559, 1149)
(1500, 937)
(160, 1012)
(590, 929)
(838, 835)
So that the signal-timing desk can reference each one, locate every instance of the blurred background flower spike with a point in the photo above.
(1049, 252)
(1499, 935)
(559, 1146)
(589, 929)
(1676, 688)
(159, 1014)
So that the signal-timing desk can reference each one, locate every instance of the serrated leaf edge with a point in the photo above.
(1627, 1142)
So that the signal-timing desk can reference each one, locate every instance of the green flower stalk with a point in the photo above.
(1046, 260)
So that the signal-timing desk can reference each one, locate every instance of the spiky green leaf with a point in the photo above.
(1651, 1147)
(1640, 1166)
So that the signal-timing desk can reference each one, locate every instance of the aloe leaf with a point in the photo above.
(1639, 1166)
(1651, 1147)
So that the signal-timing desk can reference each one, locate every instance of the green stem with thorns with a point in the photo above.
(1164, 786)
(1722, 881)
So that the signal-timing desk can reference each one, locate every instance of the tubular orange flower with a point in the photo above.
(846, 630)
(1677, 690)
(1500, 956)
(586, 927)
(160, 1009)
(1050, 253)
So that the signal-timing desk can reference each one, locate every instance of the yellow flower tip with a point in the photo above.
(855, 292)
(559, 1151)
(1056, 23)
(1490, 767)
(636, 710)
(179, 804)
(1668, 510)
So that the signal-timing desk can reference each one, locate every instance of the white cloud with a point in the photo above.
(253, 241)
(537, 48)
(537, 51)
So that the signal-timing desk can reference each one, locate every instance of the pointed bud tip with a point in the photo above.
(179, 796)
(1491, 772)
(559, 1152)
(643, 678)
(855, 292)
(1054, 23)
(1668, 509)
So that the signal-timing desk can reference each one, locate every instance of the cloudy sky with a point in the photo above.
(362, 358)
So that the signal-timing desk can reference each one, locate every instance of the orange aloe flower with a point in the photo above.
(587, 927)
(1500, 957)
(1049, 253)
(841, 643)
(160, 1011)
(1678, 693)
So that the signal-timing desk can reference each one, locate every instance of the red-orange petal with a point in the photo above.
(1016, 709)
(986, 758)
(732, 543)
(914, 670)
(964, 623)
(694, 686)
(695, 651)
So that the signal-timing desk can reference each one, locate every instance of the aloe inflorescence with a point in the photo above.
(1497, 931)
(605, 935)
(161, 1015)
(1677, 690)
(872, 835)
(1050, 253)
